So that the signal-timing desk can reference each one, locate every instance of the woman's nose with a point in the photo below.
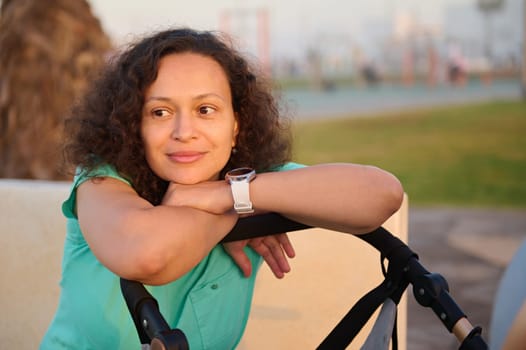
(183, 127)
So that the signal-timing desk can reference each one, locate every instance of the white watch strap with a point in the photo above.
(240, 192)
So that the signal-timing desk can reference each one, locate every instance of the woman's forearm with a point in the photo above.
(184, 236)
(151, 244)
(345, 197)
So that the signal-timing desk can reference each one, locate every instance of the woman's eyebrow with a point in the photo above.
(158, 98)
(209, 94)
(197, 97)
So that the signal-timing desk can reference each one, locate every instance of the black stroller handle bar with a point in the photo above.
(430, 290)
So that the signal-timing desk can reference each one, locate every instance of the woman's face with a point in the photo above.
(188, 123)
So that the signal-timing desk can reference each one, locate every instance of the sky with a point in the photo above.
(294, 24)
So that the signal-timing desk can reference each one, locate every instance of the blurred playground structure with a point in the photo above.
(481, 40)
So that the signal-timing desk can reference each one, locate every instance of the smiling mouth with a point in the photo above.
(185, 157)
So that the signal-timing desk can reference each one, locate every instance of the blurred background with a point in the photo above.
(328, 59)
(326, 45)
(433, 91)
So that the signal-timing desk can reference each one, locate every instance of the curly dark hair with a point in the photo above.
(104, 128)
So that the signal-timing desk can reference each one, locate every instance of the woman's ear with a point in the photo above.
(236, 131)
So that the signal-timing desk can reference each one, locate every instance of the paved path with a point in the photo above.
(346, 101)
(470, 248)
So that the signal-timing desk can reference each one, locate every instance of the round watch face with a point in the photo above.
(240, 171)
(241, 174)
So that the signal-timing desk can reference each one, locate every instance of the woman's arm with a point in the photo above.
(138, 241)
(344, 197)
(157, 244)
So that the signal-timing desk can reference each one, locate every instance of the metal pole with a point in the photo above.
(524, 50)
(488, 49)
(264, 39)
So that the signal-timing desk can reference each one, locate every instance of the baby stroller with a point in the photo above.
(429, 289)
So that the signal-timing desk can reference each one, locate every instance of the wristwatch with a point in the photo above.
(239, 179)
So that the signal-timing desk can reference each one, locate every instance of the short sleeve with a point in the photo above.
(288, 166)
(68, 207)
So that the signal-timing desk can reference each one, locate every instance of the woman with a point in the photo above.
(154, 139)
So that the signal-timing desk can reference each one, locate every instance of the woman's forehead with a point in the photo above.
(198, 74)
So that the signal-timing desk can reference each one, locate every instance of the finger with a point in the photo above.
(242, 260)
(287, 245)
(276, 249)
(269, 258)
(236, 252)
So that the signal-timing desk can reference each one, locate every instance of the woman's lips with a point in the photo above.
(186, 156)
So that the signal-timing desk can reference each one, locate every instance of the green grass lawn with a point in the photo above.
(472, 155)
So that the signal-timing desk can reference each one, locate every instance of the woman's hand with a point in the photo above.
(211, 196)
(216, 197)
(274, 249)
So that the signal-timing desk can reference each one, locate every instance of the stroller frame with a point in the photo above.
(429, 289)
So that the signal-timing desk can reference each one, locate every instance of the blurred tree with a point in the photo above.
(48, 52)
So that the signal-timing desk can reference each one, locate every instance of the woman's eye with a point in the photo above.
(205, 110)
(160, 112)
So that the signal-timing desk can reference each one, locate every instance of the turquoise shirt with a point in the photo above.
(210, 303)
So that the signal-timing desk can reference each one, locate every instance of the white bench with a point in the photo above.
(32, 233)
(330, 273)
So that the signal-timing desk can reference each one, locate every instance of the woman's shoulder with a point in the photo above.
(101, 170)
(84, 174)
